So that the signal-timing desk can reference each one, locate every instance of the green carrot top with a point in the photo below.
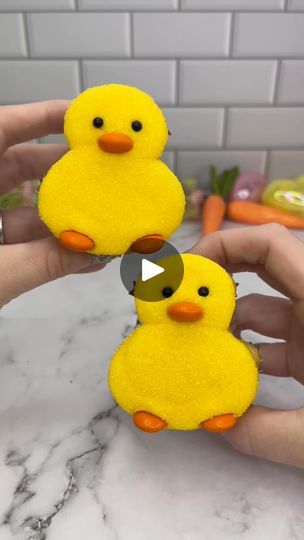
(223, 183)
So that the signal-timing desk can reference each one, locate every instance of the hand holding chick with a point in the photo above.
(111, 191)
(277, 257)
(29, 256)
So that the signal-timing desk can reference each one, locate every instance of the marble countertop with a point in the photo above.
(72, 466)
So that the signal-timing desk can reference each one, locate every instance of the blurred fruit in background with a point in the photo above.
(259, 214)
(248, 187)
(286, 194)
(214, 207)
(194, 198)
(25, 195)
(245, 198)
(11, 199)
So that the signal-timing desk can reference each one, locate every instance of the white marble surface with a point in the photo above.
(72, 466)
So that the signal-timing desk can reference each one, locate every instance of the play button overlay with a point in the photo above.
(150, 270)
(152, 276)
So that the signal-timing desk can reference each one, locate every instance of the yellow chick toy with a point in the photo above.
(110, 192)
(183, 369)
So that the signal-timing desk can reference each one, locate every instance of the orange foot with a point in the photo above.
(219, 424)
(76, 241)
(148, 244)
(148, 422)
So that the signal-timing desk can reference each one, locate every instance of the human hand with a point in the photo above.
(278, 258)
(29, 256)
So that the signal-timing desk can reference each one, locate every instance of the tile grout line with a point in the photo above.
(175, 161)
(267, 163)
(80, 75)
(131, 36)
(232, 35)
(277, 83)
(177, 82)
(177, 72)
(157, 12)
(237, 148)
(199, 106)
(26, 35)
(230, 55)
(225, 128)
(79, 61)
(196, 58)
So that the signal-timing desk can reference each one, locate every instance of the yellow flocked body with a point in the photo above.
(187, 373)
(111, 185)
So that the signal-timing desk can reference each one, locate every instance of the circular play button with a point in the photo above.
(152, 276)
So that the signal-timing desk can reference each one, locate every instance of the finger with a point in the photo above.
(260, 271)
(22, 224)
(295, 349)
(26, 162)
(283, 359)
(20, 123)
(267, 315)
(26, 266)
(274, 359)
(271, 434)
(94, 268)
(272, 246)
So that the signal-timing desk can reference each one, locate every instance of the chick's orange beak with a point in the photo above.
(185, 312)
(115, 143)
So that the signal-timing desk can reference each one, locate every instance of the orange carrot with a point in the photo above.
(215, 206)
(213, 213)
(258, 214)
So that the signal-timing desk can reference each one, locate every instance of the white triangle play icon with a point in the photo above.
(150, 270)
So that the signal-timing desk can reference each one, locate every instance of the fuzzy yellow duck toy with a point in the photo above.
(110, 192)
(183, 369)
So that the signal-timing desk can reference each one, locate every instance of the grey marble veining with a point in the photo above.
(72, 465)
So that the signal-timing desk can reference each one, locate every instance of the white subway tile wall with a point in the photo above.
(181, 34)
(286, 164)
(142, 5)
(36, 5)
(194, 128)
(227, 82)
(242, 5)
(291, 90)
(157, 77)
(72, 35)
(29, 80)
(295, 5)
(270, 128)
(12, 36)
(269, 34)
(228, 73)
(199, 162)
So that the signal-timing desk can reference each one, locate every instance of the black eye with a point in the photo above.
(203, 291)
(136, 125)
(167, 292)
(98, 122)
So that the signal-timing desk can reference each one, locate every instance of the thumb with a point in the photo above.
(271, 434)
(26, 266)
